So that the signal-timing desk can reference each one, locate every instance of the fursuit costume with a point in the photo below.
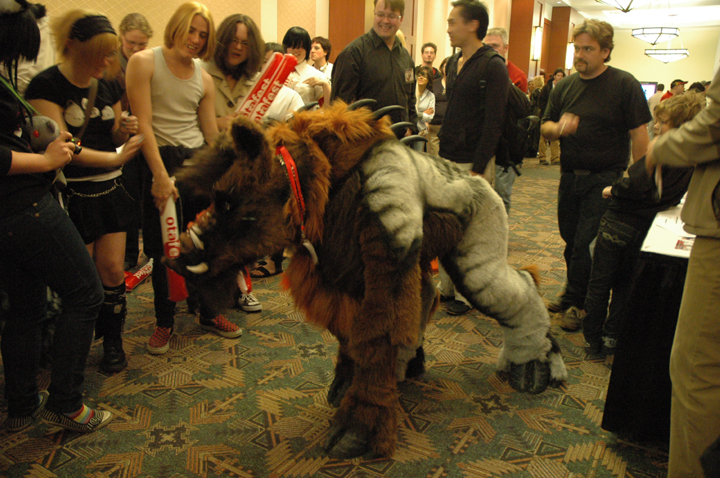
(365, 215)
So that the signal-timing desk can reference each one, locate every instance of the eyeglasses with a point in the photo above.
(389, 16)
(133, 44)
(236, 42)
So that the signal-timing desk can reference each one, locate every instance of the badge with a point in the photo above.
(409, 75)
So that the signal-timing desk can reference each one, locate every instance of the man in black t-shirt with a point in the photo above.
(595, 113)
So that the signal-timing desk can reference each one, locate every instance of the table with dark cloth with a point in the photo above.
(638, 396)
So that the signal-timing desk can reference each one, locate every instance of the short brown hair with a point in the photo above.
(394, 5)
(324, 44)
(178, 27)
(601, 32)
(681, 108)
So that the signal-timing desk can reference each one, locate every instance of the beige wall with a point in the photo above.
(295, 13)
(702, 42)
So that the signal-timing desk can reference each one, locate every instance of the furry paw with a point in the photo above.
(416, 366)
(532, 377)
(346, 443)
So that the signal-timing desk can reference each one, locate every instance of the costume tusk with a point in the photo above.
(199, 268)
(194, 236)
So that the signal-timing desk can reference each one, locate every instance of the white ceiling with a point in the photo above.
(646, 13)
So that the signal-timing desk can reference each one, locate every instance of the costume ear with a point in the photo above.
(249, 139)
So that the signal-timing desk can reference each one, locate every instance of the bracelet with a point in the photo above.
(563, 128)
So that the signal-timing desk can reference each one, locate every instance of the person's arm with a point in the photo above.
(496, 94)
(124, 126)
(429, 112)
(346, 76)
(635, 185)
(88, 157)
(640, 140)
(566, 124)
(57, 155)
(140, 70)
(321, 87)
(206, 109)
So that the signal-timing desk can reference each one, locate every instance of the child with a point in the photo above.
(635, 201)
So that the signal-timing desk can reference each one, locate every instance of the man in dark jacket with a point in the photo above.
(474, 117)
(377, 66)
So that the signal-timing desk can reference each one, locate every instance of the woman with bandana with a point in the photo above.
(96, 198)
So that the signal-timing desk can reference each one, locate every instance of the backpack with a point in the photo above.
(515, 137)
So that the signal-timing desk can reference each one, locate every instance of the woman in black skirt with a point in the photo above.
(96, 198)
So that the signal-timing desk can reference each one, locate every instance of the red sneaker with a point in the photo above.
(160, 340)
(221, 326)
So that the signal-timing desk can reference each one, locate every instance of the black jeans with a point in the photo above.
(580, 207)
(616, 251)
(40, 248)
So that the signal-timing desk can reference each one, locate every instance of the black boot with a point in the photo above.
(111, 321)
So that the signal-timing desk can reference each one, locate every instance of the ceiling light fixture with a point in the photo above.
(668, 55)
(655, 35)
(622, 5)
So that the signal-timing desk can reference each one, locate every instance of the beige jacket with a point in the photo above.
(697, 143)
(227, 100)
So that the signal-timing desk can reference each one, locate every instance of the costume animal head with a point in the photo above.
(255, 211)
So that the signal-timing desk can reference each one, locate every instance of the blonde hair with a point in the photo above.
(538, 82)
(135, 21)
(681, 108)
(98, 46)
(601, 32)
(178, 27)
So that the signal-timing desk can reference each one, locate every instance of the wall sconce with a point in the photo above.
(569, 56)
(537, 43)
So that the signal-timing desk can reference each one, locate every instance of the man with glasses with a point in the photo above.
(377, 66)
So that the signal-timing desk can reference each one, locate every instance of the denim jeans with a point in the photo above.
(503, 184)
(41, 248)
(616, 251)
(580, 207)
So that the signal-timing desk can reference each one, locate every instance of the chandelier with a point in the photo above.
(622, 5)
(668, 55)
(655, 35)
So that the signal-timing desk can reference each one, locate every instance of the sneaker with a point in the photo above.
(98, 421)
(609, 345)
(458, 307)
(249, 303)
(159, 342)
(221, 326)
(571, 320)
(558, 306)
(16, 424)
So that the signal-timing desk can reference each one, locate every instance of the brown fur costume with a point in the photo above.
(372, 287)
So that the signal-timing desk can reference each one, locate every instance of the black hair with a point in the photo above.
(20, 37)
(298, 37)
(474, 10)
(427, 73)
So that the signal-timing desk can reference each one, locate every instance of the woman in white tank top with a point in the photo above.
(174, 101)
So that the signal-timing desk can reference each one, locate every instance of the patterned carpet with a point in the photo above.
(257, 407)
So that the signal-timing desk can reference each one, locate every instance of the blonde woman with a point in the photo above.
(97, 201)
(174, 100)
